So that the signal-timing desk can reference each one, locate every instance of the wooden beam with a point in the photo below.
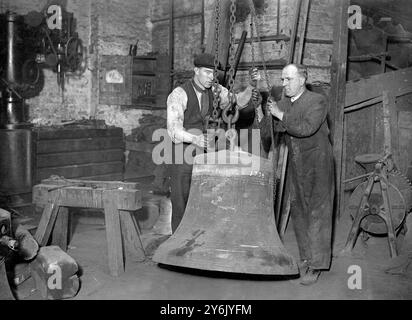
(91, 183)
(302, 39)
(396, 82)
(294, 32)
(48, 218)
(389, 104)
(113, 234)
(337, 95)
(400, 92)
(85, 197)
(61, 228)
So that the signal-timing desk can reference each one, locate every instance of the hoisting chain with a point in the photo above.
(268, 84)
(253, 22)
(252, 48)
(231, 113)
(215, 117)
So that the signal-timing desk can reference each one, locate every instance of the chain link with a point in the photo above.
(268, 84)
(253, 21)
(252, 48)
(231, 118)
(216, 87)
(232, 51)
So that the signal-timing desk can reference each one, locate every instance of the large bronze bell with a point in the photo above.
(229, 222)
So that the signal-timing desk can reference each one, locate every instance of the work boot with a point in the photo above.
(310, 276)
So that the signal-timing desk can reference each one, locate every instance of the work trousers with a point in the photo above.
(181, 177)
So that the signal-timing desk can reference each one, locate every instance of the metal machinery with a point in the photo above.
(5, 232)
(16, 244)
(28, 44)
(380, 204)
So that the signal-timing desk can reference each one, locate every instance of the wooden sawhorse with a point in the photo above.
(117, 199)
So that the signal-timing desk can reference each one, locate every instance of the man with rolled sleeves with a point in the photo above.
(301, 115)
(188, 106)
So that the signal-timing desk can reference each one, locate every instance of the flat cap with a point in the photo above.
(206, 60)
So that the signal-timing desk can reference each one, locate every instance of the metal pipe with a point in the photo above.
(171, 44)
(12, 70)
(239, 51)
(202, 26)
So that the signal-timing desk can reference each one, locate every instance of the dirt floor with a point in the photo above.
(380, 277)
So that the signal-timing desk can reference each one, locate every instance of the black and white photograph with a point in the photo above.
(206, 157)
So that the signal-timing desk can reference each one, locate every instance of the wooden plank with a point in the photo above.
(390, 125)
(91, 183)
(282, 215)
(292, 43)
(394, 124)
(77, 171)
(367, 103)
(140, 146)
(368, 88)
(85, 197)
(48, 218)
(70, 145)
(61, 229)
(131, 236)
(337, 95)
(106, 177)
(46, 133)
(79, 157)
(113, 234)
(119, 176)
(302, 38)
(5, 291)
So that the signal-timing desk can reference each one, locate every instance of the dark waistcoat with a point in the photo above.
(193, 118)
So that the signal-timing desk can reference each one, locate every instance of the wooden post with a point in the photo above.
(131, 235)
(337, 95)
(48, 219)
(390, 125)
(61, 228)
(113, 234)
(306, 5)
(294, 32)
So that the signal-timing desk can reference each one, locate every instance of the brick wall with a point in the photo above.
(105, 27)
(188, 35)
(109, 27)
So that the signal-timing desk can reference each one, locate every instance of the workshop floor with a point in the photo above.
(147, 281)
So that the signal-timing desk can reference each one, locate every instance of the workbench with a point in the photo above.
(118, 200)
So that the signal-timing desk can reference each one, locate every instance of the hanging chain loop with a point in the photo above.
(231, 113)
(216, 87)
(253, 18)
